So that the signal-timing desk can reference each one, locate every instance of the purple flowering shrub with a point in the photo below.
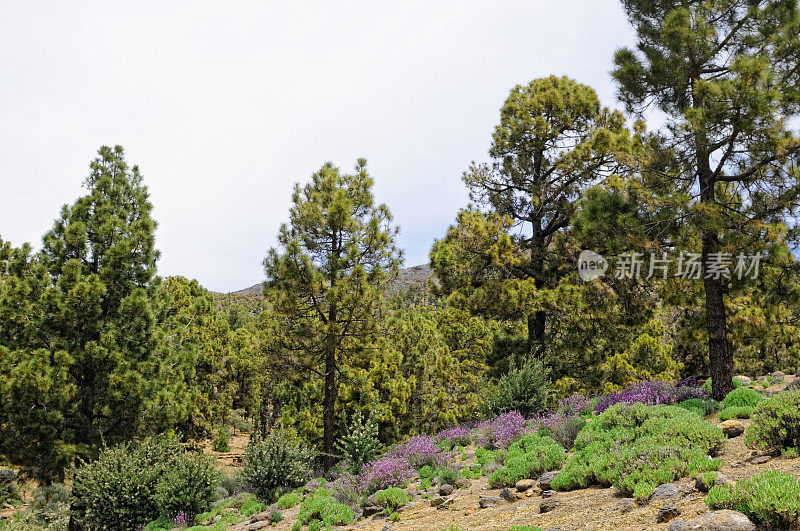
(652, 392)
(387, 471)
(501, 431)
(180, 519)
(420, 451)
(458, 436)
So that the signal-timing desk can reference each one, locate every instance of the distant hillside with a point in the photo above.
(416, 276)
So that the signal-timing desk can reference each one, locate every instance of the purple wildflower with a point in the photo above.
(457, 436)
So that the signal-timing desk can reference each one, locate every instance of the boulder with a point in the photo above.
(626, 505)
(732, 428)
(742, 379)
(725, 520)
(370, 510)
(446, 489)
(548, 505)
(489, 501)
(437, 501)
(778, 376)
(667, 491)
(546, 479)
(667, 513)
(548, 493)
(508, 495)
(760, 460)
(524, 484)
(463, 483)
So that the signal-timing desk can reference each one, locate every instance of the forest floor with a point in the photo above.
(592, 508)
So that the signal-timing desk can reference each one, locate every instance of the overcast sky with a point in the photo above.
(224, 105)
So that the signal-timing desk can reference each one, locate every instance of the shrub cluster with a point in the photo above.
(453, 437)
(275, 463)
(771, 499)
(8, 485)
(501, 431)
(319, 510)
(776, 423)
(653, 392)
(133, 483)
(525, 389)
(635, 448)
(392, 498)
(528, 457)
(419, 451)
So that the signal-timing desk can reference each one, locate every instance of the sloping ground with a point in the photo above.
(584, 509)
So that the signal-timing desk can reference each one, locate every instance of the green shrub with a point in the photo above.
(320, 507)
(735, 412)
(394, 517)
(635, 448)
(771, 499)
(699, 406)
(118, 490)
(274, 464)
(707, 385)
(794, 386)
(525, 389)
(742, 397)
(287, 501)
(392, 498)
(426, 472)
(776, 423)
(221, 442)
(528, 457)
(48, 507)
(8, 485)
(360, 444)
(446, 475)
(275, 516)
(188, 486)
(790, 453)
(252, 507)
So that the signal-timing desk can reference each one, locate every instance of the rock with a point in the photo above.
(370, 510)
(446, 489)
(667, 491)
(548, 493)
(732, 428)
(725, 520)
(446, 504)
(407, 506)
(260, 517)
(626, 505)
(744, 380)
(463, 483)
(508, 496)
(489, 501)
(257, 525)
(491, 467)
(437, 501)
(524, 484)
(546, 479)
(548, 505)
(677, 526)
(760, 460)
(719, 479)
(667, 513)
(762, 378)
(778, 376)
(387, 527)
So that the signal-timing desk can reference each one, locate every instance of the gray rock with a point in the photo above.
(407, 506)
(491, 467)
(370, 510)
(546, 479)
(446, 504)
(778, 376)
(732, 428)
(725, 520)
(257, 525)
(626, 505)
(508, 496)
(548, 493)
(387, 527)
(667, 491)
(680, 525)
(744, 380)
(760, 459)
(446, 489)
(463, 483)
(437, 501)
(762, 378)
(719, 479)
(667, 513)
(524, 484)
(489, 501)
(548, 505)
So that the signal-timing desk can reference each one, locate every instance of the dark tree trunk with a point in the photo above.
(720, 354)
(536, 326)
(329, 409)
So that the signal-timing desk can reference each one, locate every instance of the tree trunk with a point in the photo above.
(329, 409)
(536, 326)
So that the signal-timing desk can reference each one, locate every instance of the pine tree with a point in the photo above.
(726, 74)
(327, 275)
(81, 350)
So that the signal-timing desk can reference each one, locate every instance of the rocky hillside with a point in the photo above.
(409, 277)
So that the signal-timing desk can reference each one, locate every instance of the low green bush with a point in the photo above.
(188, 486)
(275, 463)
(392, 498)
(776, 423)
(446, 475)
(528, 457)
(251, 507)
(735, 412)
(790, 453)
(707, 385)
(635, 448)
(525, 389)
(287, 501)
(742, 397)
(771, 499)
(275, 516)
(8, 485)
(699, 406)
(320, 507)
(221, 441)
(426, 472)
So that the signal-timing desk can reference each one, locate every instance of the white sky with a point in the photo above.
(224, 105)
